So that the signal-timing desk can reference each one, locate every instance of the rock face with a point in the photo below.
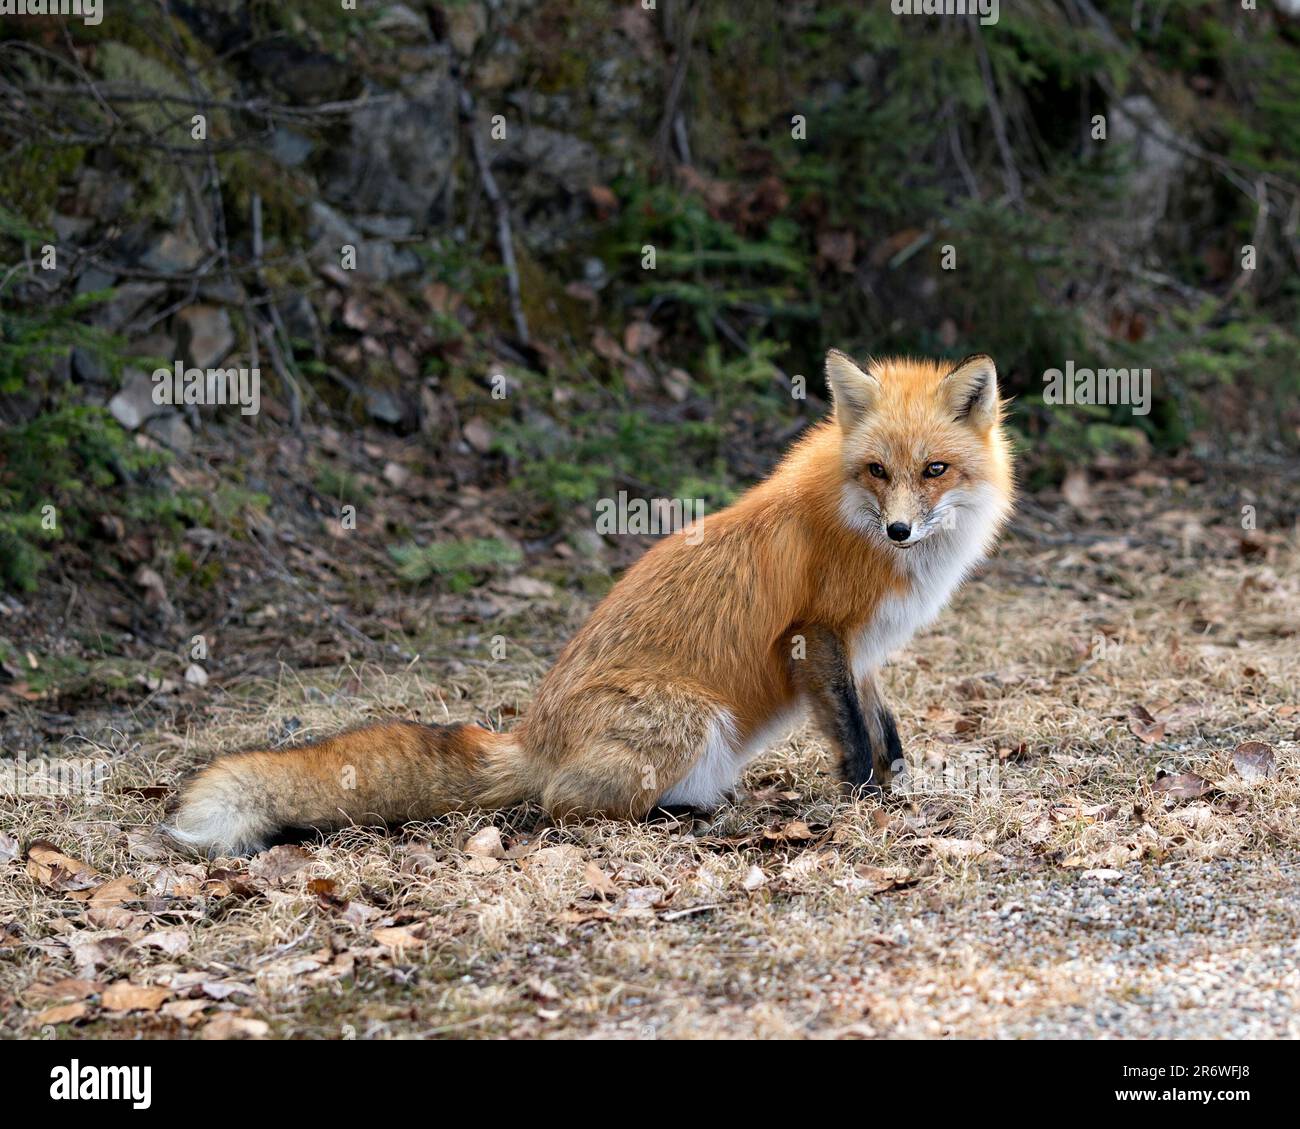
(399, 157)
(205, 335)
(134, 404)
(127, 301)
(1157, 161)
(174, 252)
(376, 258)
(171, 431)
(546, 174)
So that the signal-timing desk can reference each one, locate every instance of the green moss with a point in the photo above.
(32, 176)
(461, 564)
(283, 194)
(65, 676)
(65, 470)
(336, 483)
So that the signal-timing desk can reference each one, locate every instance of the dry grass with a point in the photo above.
(1056, 892)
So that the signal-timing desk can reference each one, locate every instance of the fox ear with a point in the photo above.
(971, 392)
(854, 390)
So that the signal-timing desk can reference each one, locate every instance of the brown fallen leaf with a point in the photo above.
(234, 1027)
(278, 863)
(66, 989)
(639, 901)
(420, 858)
(342, 965)
(959, 848)
(796, 831)
(182, 882)
(561, 856)
(56, 871)
(90, 954)
(228, 884)
(1073, 810)
(116, 891)
(187, 1011)
(486, 844)
(809, 862)
(883, 878)
(173, 942)
(772, 797)
(115, 917)
(602, 885)
(477, 864)
(1182, 785)
(539, 989)
(890, 824)
(1112, 858)
(400, 936)
(62, 1013)
(125, 996)
(224, 989)
(1195, 815)
(1254, 760)
(607, 347)
(582, 916)
(1145, 727)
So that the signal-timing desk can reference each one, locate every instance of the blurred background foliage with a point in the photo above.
(1092, 171)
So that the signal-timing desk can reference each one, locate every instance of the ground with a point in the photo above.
(1100, 839)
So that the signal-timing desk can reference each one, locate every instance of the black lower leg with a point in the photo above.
(892, 751)
(825, 676)
(858, 765)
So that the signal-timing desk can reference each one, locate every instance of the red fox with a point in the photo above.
(707, 649)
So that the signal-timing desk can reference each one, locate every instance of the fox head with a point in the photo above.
(921, 444)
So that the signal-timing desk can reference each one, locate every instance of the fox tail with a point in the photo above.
(386, 773)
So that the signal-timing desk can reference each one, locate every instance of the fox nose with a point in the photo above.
(898, 531)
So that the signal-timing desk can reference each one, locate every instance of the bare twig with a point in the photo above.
(672, 123)
(505, 240)
(1010, 174)
(959, 156)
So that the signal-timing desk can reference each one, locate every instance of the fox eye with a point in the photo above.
(877, 471)
(934, 470)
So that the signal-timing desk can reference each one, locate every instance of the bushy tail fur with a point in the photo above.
(388, 773)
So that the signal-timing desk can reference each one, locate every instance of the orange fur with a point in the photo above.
(690, 651)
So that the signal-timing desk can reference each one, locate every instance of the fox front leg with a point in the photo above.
(823, 674)
(887, 748)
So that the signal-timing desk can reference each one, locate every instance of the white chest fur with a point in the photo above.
(934, 568)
